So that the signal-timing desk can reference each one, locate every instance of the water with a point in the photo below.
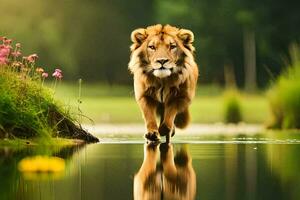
(206, 167)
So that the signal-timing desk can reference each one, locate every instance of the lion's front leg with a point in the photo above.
(167, 126)
(148, 107)
(172, 107)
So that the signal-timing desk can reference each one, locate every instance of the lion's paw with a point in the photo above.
(165, 130)
(152, 136)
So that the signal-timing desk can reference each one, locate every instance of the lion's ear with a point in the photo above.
(186, 36)
(138, 36)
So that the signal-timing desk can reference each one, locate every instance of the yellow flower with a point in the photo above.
(41, 164)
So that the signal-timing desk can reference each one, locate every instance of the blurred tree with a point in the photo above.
(247, 20)
(217, 34)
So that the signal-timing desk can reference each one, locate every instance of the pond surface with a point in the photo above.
(198, 167)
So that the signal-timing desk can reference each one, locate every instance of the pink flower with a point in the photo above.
(4, 51)
(7, 41)
(16, 54)
(32, 58)
(58, 70)
(44, 75)
(57, 74)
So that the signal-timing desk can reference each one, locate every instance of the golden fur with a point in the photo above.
(165, 77)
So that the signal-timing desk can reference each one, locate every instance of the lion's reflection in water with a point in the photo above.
(174, 178)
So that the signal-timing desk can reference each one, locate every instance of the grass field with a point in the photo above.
(116, 104)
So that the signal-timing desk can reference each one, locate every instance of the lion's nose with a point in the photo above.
(162, 61)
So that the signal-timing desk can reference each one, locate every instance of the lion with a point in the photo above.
(165, 77)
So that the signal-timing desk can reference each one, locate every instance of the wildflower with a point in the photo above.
(32, 58)
(58, 70)
(7, 41)
(39, 70)
(57, 74)
(4, 51)
(18, 45)
(44, 75)
(16, 54)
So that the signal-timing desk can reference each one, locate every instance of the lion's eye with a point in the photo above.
(151, 47)
(173, 46)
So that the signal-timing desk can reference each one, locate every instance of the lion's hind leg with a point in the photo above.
(182, 119)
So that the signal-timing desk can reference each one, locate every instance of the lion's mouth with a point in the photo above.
(162, 72)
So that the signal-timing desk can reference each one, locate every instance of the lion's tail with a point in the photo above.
(182, 119)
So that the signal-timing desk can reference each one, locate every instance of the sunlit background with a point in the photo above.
(90, 39)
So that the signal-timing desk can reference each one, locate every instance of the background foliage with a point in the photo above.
(90, 39)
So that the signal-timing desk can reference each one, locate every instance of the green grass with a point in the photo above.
(27, 108)
(24, 105)
(23, 143)
(116, 104)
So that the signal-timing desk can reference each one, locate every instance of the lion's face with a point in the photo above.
(161, 50)
(162, 53)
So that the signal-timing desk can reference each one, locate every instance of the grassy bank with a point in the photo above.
(116, 104)
(23, 143)
(28, 109)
